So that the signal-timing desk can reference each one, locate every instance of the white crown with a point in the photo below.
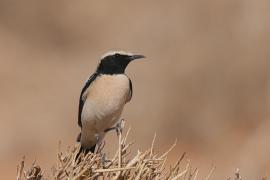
(116, 52)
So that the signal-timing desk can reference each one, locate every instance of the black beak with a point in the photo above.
(133, 57)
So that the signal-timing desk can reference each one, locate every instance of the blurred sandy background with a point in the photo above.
(206, 79)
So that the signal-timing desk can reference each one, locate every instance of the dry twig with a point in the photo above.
(144, 165)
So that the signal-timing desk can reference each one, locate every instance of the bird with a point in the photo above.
(103, 98)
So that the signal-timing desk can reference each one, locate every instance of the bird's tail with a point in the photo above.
(85, 151)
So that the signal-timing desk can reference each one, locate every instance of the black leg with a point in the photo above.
(117, 128)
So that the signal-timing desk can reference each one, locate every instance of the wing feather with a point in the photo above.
(82, 98)
(131, 89)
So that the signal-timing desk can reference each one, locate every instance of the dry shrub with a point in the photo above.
(144, 165)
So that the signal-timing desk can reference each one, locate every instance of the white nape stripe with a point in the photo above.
(114, 52)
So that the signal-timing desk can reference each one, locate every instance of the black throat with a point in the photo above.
(103, 69)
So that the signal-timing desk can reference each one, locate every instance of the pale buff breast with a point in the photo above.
(105, 100)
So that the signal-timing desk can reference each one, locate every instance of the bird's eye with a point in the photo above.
(117, 55)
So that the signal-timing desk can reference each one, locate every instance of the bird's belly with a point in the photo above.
(94, 125)
(105, 101)
(101, 117)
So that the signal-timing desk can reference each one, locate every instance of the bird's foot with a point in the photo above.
(104, 160)
(118, 127)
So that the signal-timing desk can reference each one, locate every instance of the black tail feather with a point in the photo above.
(85, 151)
(79, 137)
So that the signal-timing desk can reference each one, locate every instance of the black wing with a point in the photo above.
(130, 87)
(81, 102)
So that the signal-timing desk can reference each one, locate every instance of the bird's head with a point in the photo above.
(116, 62)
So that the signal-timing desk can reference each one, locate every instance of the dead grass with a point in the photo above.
(144, 165)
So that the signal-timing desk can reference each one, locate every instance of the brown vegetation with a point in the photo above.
(144, 165)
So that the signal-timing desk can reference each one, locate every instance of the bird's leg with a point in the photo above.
(103, 159)
(100, 146)
(118, 127)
